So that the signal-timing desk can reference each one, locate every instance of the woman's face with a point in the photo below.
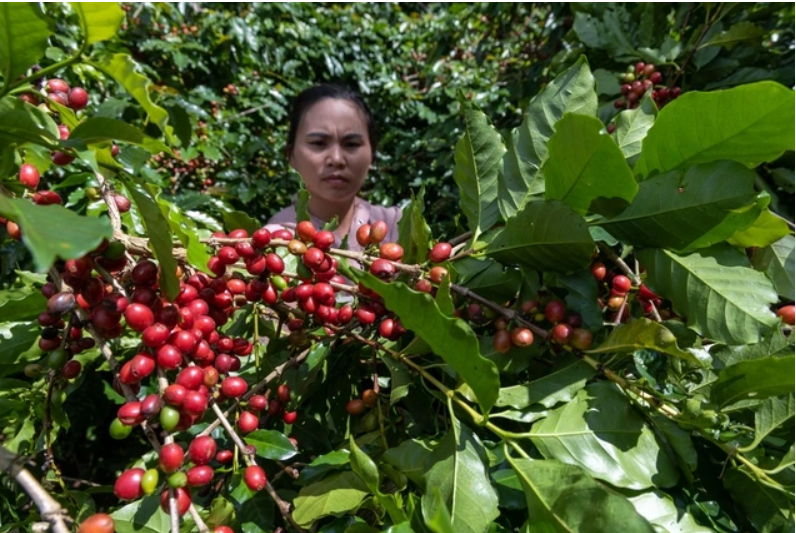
(332, 151)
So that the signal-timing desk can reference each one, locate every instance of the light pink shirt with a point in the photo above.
(364, 213)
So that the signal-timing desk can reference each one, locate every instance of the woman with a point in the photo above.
(331, 144)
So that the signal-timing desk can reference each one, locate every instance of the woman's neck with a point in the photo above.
(327, 211)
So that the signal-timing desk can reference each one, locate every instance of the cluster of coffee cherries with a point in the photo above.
(618, 295)
(638, 79)
(564, 326)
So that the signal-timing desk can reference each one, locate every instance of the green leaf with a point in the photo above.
(21, 304)
(159, 232)
(410, 458)
(239, 220)
(777, 261)
(518, 181)
(658, 508)
(99, 129)
(546, 236)
(758, 379)
(582, 296)
(18, 344)
(572, 91)
(302, 205)
(450, 338)
(334, 496)
(271, 444)
(369, 472)
(414, 234)
(52, 231)
(563, 498)
(632, 126)
(24, 31)
(435, 513)
(600, 431)
(767, 509)
(181, 121)
(750, 124)
(23, 123)
(740, 32)
(478, 156)
(557, 387)
(99, 20)
(457, 469)
(122, 68)
(682, 209)
(721, 297)
(443, 297)
(400, 378)
(142, 516)
(644, 333)
(585, 164)
(488, 278)
(770, 415)
(766, 230)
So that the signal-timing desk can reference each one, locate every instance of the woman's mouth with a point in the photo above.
(335, 180)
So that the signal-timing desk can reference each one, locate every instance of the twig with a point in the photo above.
(197, 518)
(464, 237)
(110, 202)
(620, 263)
(174, 515)
(276, 373)
(49, 509)
(222, 418)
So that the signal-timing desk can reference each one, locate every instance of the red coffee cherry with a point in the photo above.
(130, 414)
(370, 397)
(313, 258)
(598, 270)
(305, 230)
(282, 234)
(283, 393)
(621, 284)
(227, 255)
(561, 333)
(274, 264)
(57, 85)
(255, 478)
(78, 98)
(787, 313)
(383, 269)
(234, 387)
(355, 407)
(555, 311)
(122, 202)
(324, 239)
(29, 176)
(521, 337)
(224, 456)
(386, 328)
(391, 251)
(97, 523)
(363, 235)
(440, 252)
(142, 365)
(345, 314)
(502, 341)
(175, 394)
(261, 238)
(423, 285)
(201, 450)
(183, 498)
(365, 315)
(258, 402)
(437, 273)
(248, 422)
(199, 476)
(580, 339)
(378, 231)
(191, 378)
(72, 369)
(170, 457)
(128, 485)
(290, 417)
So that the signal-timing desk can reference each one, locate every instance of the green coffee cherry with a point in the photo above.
(118, 430)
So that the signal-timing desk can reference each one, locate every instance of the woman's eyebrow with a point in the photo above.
(324, 135)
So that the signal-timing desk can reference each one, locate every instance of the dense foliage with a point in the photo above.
(606, 345)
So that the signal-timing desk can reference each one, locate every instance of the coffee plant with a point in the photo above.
(606, 344)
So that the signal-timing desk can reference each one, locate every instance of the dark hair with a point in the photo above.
(308, 97)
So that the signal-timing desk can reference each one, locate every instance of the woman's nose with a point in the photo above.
(335, 156)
